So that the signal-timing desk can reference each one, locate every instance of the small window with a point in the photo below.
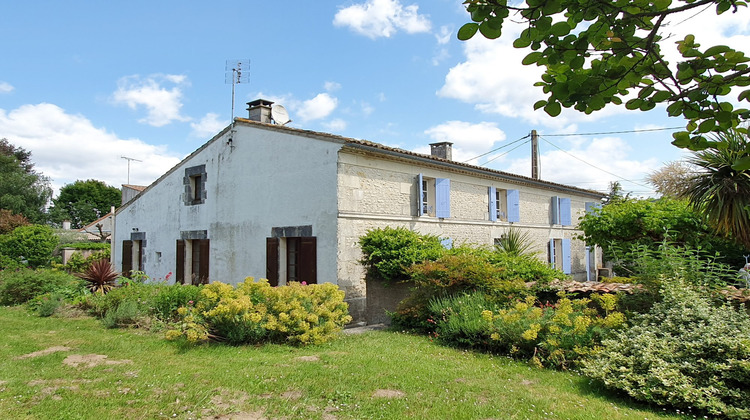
(504, 205)
(195, 185)
(433, 197)
(560, 211)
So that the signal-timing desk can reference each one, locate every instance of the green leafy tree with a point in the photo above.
(22, 190)
(82, 202)
(32, 245)
(601, 52)
(621, 226)
(721, 193)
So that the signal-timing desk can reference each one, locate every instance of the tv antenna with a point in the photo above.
(237, 72)
(130, 159)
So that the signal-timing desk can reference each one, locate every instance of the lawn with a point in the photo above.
(73, 368)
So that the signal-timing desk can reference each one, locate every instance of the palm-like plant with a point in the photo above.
(515, 242)
(100, 276)
(720, 193)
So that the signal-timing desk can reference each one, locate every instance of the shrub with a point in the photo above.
(684, 353)
(501, 276)
(255, 312)
(127, 313)
(559, 335)
(77, 263)
(46, 305)
(31, 244)
(389, 252)
(100, 277)
(515, 242)
(168, 299)
(20, 286)
(99, 304)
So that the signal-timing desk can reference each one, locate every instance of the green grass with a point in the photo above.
(338, 380)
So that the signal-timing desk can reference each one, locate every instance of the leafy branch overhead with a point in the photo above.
(600, 52)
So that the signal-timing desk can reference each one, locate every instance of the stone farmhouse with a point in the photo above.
(269, 201)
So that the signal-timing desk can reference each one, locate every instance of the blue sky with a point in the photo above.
(83, 83)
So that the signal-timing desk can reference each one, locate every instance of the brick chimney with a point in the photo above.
(443, 150)
(259, 110)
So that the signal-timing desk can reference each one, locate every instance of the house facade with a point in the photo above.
(268, 201)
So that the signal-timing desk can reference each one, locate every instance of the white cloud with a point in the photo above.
(316, 108)
(331, 86)
(444, 35)
(208, 126)
(382, 18)
(162, 104)
(6, 87)
(68, 147)
(469, 140)
(335, 125)
(608, 154)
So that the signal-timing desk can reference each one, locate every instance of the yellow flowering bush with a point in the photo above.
(255, 312)
(559, 335)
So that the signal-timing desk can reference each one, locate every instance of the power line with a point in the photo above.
(499, 156)
(614, 132)
(593, 166)
(494, 150)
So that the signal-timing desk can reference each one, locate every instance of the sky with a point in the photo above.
(86, 84)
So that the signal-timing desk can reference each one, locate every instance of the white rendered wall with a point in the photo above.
(263, 178)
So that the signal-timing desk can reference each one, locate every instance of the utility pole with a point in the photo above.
(534, 155)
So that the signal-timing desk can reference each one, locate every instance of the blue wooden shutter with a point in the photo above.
(552, 252)
(592, 206)
(420, 195)
(566, 267)
(443, 197)
(554, 210)
(566, 218)
(446, 242)
(513, 201)
(493, 203)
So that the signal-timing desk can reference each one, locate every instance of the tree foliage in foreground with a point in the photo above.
(620, 226)
(600, 52)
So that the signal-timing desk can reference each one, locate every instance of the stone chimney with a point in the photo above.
(66, 224)
(259, 110)
(443, 150)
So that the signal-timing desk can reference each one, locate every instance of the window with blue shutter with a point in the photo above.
(591, 207)
(566, 259)
(421, 190)
(559, 255)
(443, 197)
(566, 218)
(514, 206)
(554, 210)
(560, 211)
(492, 193)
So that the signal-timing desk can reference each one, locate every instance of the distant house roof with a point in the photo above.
(135, 187)
(93, 224)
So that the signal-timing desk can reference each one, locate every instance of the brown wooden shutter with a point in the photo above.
(127, 258)
(308, 258)
(272, 261)
(204, 259)
(179, 276)
(140, 255)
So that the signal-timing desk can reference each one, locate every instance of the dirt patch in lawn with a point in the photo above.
(44, 352)
(293, 394)
(388, 393)
(91, 360)
(308, 358)
(255, 415)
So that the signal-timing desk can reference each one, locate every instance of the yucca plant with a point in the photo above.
(100, 277)
(515, 242)
(721, 193)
